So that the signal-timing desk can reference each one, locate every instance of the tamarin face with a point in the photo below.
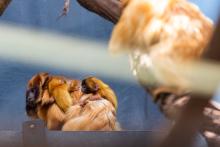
(89, 86)
(93, 85)
(31, 97)
(34, 92)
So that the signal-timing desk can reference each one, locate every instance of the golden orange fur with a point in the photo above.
(99, 115)
(48, 97)
(61, 104)
(160, 35)
(149, 24)
(97, 86)
(96, 109)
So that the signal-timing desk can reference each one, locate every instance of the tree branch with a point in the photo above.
(3, 5)
(213, 53)
(108, 9)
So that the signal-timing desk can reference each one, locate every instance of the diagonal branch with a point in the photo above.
(108, 9)
(3, 5)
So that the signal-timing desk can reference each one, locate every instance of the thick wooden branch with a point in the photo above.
(108, 9)
(197, 114)
(3, 5)
(188, 124)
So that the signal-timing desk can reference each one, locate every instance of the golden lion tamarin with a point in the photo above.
(48, 98)
(96, 86)
(63, 105)
(161, 37)
(96, 110)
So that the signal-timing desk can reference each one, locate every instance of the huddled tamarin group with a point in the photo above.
(72, 105)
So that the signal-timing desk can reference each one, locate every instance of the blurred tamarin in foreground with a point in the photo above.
(161, 35)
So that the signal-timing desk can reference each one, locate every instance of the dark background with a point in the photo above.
(136, 111)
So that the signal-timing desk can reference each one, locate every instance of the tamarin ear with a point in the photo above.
(38, 79)
(43, 77)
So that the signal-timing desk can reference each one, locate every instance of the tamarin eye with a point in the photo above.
(33, 93)
(85, 89)
(30, 97)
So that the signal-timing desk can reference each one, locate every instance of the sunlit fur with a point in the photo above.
(99, 115)
(59, 91)
(148, 24)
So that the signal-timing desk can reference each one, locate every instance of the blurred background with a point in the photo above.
(136, 110)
